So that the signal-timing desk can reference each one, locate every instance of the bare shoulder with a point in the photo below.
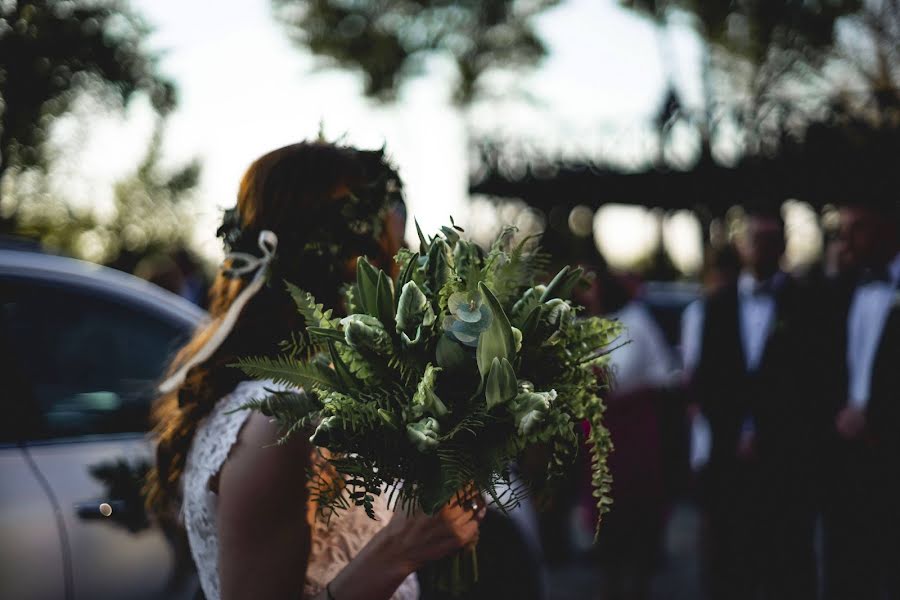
(260, 468)
(264, 533)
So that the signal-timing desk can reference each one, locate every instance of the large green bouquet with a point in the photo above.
(437, 382)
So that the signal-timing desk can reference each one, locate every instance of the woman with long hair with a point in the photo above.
(304, 214)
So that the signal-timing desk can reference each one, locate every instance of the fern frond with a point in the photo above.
(312, 313)
(285, 371)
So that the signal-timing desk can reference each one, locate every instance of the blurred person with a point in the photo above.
(179, 273)
(752, 374)
(721, 267)
(862, 483)
(195, 285)
(641, 369)
(161, 270)
(243, 497)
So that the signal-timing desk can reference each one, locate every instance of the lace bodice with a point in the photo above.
(333, 544)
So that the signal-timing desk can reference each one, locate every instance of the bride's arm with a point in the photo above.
(264, 534)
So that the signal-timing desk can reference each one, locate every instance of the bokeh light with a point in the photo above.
(682, 237)
(625, 234)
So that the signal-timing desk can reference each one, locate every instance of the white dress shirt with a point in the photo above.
(756, 312)
(869, 310)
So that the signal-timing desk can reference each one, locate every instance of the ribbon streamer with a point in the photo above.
(239, 264)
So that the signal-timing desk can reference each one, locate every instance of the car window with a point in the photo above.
(88, 364)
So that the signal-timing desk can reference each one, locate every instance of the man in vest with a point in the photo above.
(756, 384)
(861, 478)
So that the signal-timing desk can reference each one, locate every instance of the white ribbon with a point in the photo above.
(237, 263)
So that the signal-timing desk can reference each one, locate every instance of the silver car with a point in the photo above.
(81, 347)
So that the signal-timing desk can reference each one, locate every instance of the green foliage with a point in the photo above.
(153, 212)
(311, 375)
(53, 51)
(61, 58)
(299, 410)
(390, 40)
(444, 415)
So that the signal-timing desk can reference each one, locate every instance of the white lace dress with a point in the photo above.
(333, 544)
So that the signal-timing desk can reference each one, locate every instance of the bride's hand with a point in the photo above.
(424, 538)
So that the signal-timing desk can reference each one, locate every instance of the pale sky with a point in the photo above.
(245, 89)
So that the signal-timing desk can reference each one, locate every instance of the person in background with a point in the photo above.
(195, 284)
(179, 273)
(721, 267)
(753, 379)
(862, 485)
(641, 368)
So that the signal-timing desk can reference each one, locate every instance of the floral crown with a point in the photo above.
(350, 226)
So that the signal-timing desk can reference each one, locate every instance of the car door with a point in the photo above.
(88, 362)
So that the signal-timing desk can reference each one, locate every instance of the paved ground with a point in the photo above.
(678, 579)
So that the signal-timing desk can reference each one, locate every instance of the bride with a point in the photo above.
(304, 213)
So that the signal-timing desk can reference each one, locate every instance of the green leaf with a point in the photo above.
(529, 409)
(384, 301)
(312, 312)
(423, 243)
(501, 383)
(406, 275)
(366, 334)
(424, 434)
(367, 284)
(572, 279)
(555, 285)
(498, 340)
(425, 401)
(341, 369)
(450, 354)
(289, 372)
(531, 322)
(411, 307)
(451, 234)
(325, 334)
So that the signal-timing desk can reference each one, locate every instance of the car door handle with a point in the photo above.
(101, 509)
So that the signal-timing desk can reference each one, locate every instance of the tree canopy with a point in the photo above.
(389, 40)
(53, 50)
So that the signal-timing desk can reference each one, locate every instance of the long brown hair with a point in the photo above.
(284, 191)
